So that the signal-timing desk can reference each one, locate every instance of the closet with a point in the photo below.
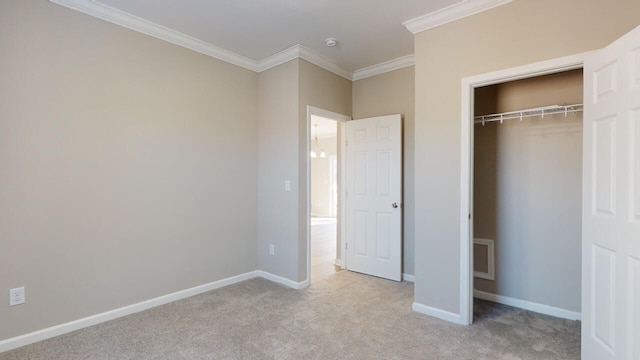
(528, 193)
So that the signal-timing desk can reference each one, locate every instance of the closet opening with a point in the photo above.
(526, 186)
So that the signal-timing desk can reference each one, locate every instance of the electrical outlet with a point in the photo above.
(272, 249)
(16, 296)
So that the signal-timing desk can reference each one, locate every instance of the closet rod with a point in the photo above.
(521, 114)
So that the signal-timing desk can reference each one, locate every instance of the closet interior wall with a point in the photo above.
(527, 191)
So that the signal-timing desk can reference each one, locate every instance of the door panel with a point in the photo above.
(635, 159)
(360, 227)
(604, 163)
(603, 296)
(374, 184)
(611, 203)
(634, 311)
(384, 241)
(633, 285)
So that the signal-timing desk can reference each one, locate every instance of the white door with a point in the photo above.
(374, 196)
(611, 203)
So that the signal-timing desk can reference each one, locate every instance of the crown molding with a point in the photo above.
(451, 13)
(279, 58)
(387, 66)
(323, 62)
(118, 17)
(301, 52)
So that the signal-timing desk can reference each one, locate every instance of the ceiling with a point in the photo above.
(373, 36)
(368, 32)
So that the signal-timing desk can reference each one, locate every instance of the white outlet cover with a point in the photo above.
(16, 296)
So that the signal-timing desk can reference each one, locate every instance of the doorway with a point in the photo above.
(527, 198)
(325, 174)
(323, 180)
(609, 228)
(375, 208)
(469, 86)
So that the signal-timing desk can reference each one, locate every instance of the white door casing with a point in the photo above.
(374, 196)
(469, 84)
(611, 202)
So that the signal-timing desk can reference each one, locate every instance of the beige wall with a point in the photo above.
(527, 193)
(564, 88)
(519, 33)
(278, 162)
(285, 92)
(128, 166)
(393, 93)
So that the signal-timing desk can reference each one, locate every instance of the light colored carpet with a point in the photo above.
(344, 316)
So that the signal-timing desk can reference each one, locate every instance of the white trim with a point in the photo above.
(385, 67)
(343, 192)
(408, 278)
(338, 262)
(541, 68)
(437, 313)
(301, 52)
(528, 305)
(282, 281)
(312, 110)
(26, 339)
(466, 204)
(451, 13)
(341, 120)
(323, 62)
(491, 265)
(279, 58)
(466, 165)
(119, 17)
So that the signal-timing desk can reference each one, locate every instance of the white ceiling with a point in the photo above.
(369, 32)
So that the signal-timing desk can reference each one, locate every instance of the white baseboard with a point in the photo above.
(284, 281)
(408, 278)
(338, 262)
(26, 339)
(438, 313)
(527, 305)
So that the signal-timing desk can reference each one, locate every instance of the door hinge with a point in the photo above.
(469, 216)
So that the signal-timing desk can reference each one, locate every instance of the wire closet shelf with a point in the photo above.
(521, 114)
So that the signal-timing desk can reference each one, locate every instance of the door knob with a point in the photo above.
(394, 205)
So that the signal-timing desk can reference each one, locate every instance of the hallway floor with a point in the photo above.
(323, 248)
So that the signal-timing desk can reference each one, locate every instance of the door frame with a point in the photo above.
(342, 145)
(469, 84)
